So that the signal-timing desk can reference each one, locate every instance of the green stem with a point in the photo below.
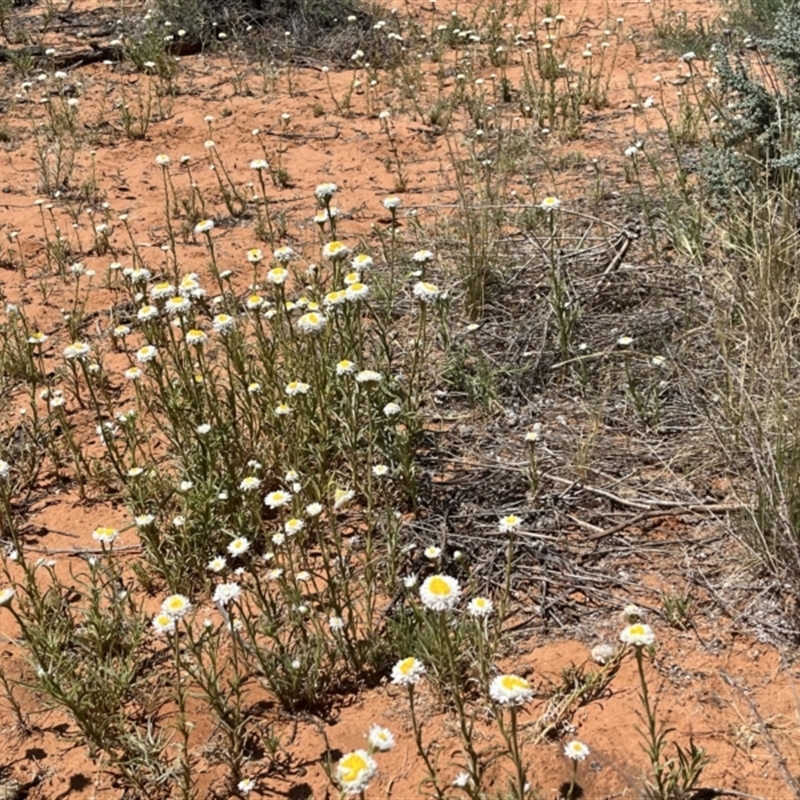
(421, 748)
(654, 744)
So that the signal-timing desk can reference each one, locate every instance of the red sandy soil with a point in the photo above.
(689, 672)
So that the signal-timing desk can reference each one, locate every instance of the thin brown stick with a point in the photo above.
(772, 745)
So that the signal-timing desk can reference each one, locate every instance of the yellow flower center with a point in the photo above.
(407, 665)
(636, 630)
(351, 766)
(513, 683)
(440, 587)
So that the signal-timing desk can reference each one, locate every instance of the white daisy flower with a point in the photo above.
(576, 750)
(510, 523)
(277, 499)
(105, 535)
(422, 256)
(223, 323)
(176, 605)
(356, 291)
(407, 672)
(510, 690)
(217, 564)
(239, 546)
(355, 770)
(391, 409)
(369, 376)
(335, 251)
(311, 322)
(226, 592)
(163, 623)
(341, 497)
(380, 738)
(480, 607)
(76, 350)
(177, 305)
(333, 299)
(293, 526)
(326, 190)
(361, 262)
(638, 635)
(190, 286)
(250, 483)
(162, 290)
(345, 367)
(296, 387)
(439, 592)
(283, 255)
(426, 292)
(196, 337)
(146, 353)
(37, 338)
